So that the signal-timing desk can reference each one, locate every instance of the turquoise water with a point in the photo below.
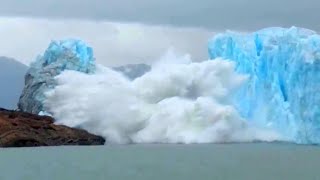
(163, 162)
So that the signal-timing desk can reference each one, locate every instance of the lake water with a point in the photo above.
(163, 162)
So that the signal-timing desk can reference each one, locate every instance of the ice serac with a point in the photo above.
(61, 55)
(283, 91)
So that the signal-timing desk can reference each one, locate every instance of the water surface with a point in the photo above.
(163, 162)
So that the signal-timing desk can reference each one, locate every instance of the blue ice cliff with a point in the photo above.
(60, 56)
(283, 90)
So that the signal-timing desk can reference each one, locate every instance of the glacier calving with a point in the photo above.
(283, 90)
(180, 101)
(60, 55)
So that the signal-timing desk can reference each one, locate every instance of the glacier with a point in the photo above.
(283, 90)
(63, 55)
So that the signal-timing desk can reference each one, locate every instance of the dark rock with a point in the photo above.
(20, 129)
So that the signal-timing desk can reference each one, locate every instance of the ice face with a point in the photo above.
(283, 91)
(60, 55)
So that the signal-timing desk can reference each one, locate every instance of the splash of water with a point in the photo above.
(178, 101)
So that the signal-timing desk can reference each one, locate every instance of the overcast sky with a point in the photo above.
(131, 31)
(113, 43)
(213, 14)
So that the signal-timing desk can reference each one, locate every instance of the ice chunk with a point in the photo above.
(60, 55)
(283, 91)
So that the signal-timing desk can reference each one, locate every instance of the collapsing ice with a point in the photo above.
(60, 56)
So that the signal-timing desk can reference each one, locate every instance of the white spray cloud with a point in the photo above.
(178, 101)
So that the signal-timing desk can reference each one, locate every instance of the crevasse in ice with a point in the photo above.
(283, 90)
(61, 55)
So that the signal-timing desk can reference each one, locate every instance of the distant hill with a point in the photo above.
(133, 71)
(11, 82)
(12, 75)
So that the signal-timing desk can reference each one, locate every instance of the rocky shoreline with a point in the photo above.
(21, 129)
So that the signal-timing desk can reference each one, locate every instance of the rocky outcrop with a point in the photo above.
(19, 129)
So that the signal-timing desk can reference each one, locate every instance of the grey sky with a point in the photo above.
(212, 14)
(113, 43)
(139, 31)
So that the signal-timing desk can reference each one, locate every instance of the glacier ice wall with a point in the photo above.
(60, 55)
(283, 90)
